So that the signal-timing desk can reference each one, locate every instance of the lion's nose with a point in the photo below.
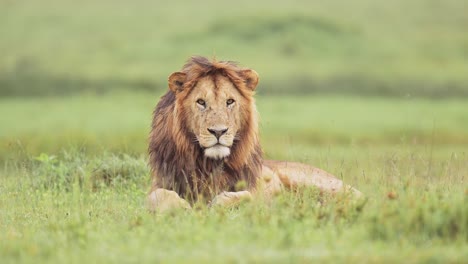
(217, 132)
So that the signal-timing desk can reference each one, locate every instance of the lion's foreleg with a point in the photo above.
(160, 200)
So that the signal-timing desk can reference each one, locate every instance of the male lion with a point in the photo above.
(204, 142)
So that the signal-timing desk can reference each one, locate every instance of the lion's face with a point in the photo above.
(215, 116)
(214, 106)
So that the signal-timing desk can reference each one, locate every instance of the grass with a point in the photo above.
(100, 123)
(83, 198)
(112, 226)
(362, 47)
(374, 92)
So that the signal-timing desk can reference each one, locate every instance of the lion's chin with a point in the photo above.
(217, 152)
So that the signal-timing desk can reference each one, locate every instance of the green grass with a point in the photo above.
(121, 122)
(84, 200)
(362, 47)
(112, 226)
(347, 86)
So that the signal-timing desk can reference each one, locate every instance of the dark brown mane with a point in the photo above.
(198, 67)
(177, 163)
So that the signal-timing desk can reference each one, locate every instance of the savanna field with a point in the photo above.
(374, 92)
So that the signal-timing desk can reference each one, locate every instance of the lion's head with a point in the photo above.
(218, 99)
(205, 131)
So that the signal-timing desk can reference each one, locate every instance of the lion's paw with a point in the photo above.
(161, 200)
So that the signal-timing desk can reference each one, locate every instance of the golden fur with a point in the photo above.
(176, 161)
(204, 141)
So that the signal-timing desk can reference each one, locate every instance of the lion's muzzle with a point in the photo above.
(217, 142)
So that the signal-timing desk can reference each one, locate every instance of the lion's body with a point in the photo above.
(204, 141)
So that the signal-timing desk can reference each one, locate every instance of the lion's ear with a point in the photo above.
(176, 81)
(250, 78)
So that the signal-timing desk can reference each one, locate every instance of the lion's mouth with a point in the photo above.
(217, 151)
(219, 144)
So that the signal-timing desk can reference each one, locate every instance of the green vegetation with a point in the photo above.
(121, 122)
(375, 92)
(362, 46)
(84, 200)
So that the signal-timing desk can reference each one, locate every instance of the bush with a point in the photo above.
(110, 170)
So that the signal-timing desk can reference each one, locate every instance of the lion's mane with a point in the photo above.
(177, 162)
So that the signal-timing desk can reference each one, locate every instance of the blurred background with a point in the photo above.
(86, 75)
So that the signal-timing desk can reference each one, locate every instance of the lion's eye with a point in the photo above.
(229, 102)
(201, 102)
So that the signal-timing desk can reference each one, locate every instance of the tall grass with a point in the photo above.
(74, 181)
(53, 212)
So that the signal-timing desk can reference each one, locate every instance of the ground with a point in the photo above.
(81, 200)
